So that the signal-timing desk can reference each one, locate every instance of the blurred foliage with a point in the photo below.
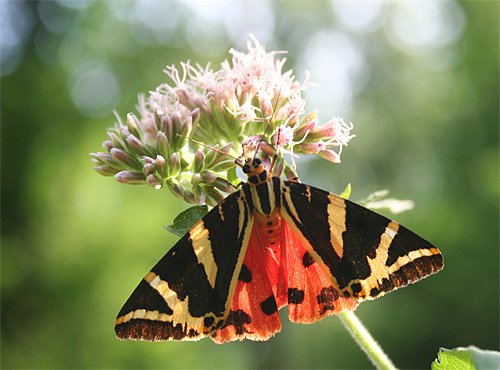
(75, 244)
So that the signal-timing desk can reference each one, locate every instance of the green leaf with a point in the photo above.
(347, 192)
(454, 359)
(466, 358)
(186, 220)
(232, 176)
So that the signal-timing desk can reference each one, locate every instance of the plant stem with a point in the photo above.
(366, 341)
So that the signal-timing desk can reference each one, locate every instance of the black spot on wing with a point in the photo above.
(208, 321)
(269, 306)
(307, 259)
(374, 292)
(238, 319)
(328, 296)
(295, 296)
(356, 289)
(245, 274)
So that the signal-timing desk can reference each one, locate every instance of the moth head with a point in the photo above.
(255, 171)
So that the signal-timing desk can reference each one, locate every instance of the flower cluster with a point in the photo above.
(189, 132)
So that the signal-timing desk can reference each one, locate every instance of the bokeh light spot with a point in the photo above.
(94, 90)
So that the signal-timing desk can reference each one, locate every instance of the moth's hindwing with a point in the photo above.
(187, 295)
(363, 253)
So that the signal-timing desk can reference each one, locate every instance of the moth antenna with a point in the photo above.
(208, 146)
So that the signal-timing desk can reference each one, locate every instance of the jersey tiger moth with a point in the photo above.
(270, 244)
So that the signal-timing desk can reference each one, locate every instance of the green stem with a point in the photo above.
(366, 341)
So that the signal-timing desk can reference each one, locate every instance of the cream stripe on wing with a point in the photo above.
(413, 255)
(379, 269)
(202, 248)
(336, 220)
(180, 308)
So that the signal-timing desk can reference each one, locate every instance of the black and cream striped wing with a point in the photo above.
(187, 295)
(363, 253)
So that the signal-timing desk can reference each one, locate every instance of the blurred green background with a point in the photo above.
(419, 80)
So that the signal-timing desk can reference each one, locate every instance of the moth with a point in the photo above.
(270, 244)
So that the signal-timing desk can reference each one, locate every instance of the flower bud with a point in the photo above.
(224, 166)
(153, 181)
(305, 128)
(278, 169)
(106, 158)
(133, 125)
(180, 138)
(223, 185)
(175, 126)
(117, 142)
(162, 144)
(267, 149)
(311, 117)
(199, 195)
(310, 148)
(184, 98)
(136, 145)
(148, 169)
(266, 105)
(175, 188)
(189, 197)
(195, 180)
(157, 115)
(124, 132)
(208, 177)
(130, 177)
(167, 126)
(222, 154)
(121, 156)
(330, 155)
(148, 159)
(108, 145)
(198, 161)
(290, 173)
(174, 165)
(211, 155)
(195, 115)
(213, 196)
(161, 166)
(105, 170)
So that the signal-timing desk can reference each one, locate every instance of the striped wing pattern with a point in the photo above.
(268, 245)
(187, 294)
(363, 253)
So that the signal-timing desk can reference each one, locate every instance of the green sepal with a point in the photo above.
(186, 220)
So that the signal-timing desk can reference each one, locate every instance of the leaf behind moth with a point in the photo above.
(186, 220)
